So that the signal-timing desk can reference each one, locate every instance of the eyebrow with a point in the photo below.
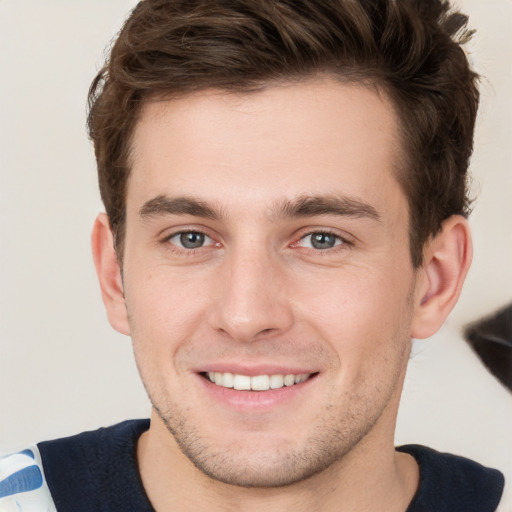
(162, 205)
(303, 206)
(332, 204)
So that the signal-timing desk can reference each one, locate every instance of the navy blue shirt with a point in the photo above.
(97, 472)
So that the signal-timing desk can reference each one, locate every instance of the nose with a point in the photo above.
(251, 300)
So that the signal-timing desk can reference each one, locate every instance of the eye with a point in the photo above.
(321, 241)
(190, 240)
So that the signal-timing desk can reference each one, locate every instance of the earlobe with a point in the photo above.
(109, 274)
(447, 258)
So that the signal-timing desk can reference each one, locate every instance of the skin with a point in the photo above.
(258, 297)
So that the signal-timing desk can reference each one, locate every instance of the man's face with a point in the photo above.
(266, 245)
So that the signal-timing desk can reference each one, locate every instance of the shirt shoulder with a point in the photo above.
(23, 486)
(450, 483)
(96, 470)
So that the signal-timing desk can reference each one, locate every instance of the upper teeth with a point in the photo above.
(256, 383)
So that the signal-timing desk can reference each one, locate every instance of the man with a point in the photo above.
(284, 185)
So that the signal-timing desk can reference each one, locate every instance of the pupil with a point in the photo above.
(192, 240)
(322, 241)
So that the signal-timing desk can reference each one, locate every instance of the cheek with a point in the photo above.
(164, 309)
(364, 315)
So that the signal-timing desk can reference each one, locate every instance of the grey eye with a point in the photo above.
(192, 239)
(321, 241)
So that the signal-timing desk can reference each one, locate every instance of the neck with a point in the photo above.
(372, 477)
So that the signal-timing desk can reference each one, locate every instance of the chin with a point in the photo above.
(260, 460)
(261, 470)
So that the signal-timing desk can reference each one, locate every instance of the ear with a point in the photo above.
(447, 258)
(109, 274)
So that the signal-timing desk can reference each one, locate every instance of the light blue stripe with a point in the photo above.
(25, 480)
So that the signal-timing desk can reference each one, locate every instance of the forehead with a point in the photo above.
(284, 141)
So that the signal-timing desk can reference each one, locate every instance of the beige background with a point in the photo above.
(64, 370)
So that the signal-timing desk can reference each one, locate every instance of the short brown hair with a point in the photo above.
(411, 49)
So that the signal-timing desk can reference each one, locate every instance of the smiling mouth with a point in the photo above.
(257, 382)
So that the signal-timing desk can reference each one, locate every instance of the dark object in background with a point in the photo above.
(491, 339)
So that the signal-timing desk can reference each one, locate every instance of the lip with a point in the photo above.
(255, 401)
